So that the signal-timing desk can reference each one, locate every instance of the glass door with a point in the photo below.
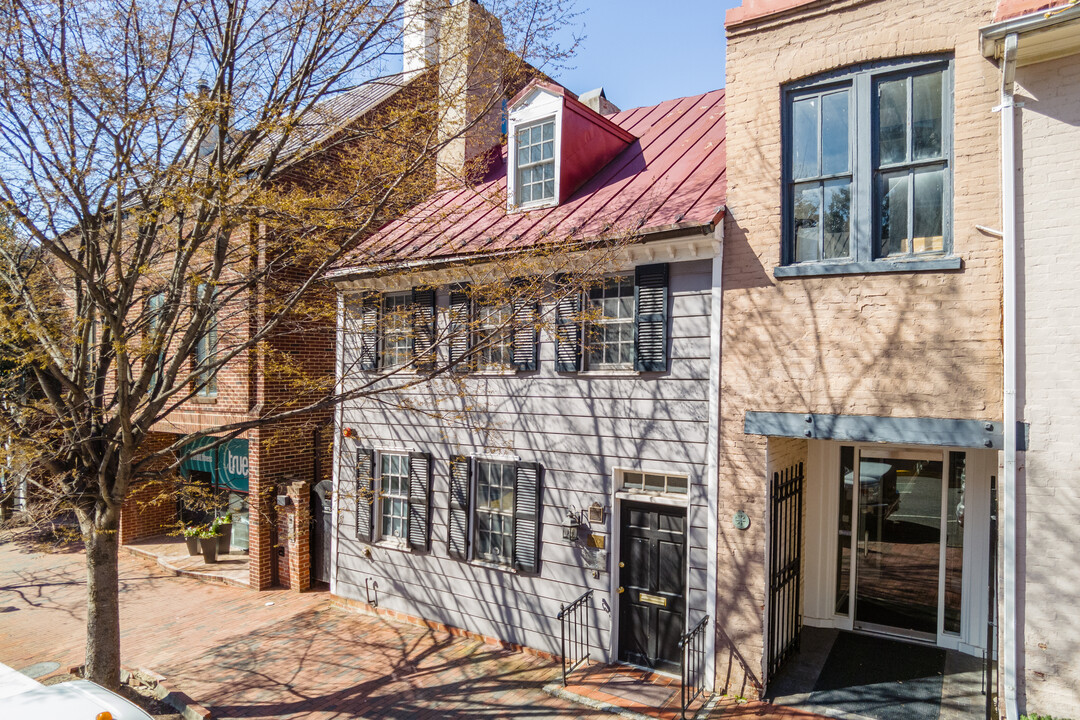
(898, 541)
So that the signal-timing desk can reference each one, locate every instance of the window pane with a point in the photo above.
(835, 136)
(632, 480)
(804, 135)
(926, 116)
(892, 121)
(534, 153)
(549, 188)
(837, 218)
(894, 214)
(676, 484)
(522, 155)
(535, 134)
(549, 150)
(549, 130)
(807, 199)
(929, 204)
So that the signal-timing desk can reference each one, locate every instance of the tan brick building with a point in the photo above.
(862, 335)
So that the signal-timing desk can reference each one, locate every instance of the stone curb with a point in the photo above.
(557, 690)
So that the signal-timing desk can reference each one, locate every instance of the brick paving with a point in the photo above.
(278, 653)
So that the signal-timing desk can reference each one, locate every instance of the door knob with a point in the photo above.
(622, 564)
(621, 589)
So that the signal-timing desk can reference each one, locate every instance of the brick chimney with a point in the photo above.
(472, 53)
(420, 41)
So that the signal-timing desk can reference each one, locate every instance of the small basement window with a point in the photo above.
(655, 483)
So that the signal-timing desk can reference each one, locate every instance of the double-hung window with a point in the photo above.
(867, 167)
(155, 309)
(620, 324)
(535, 163)
(609, 335)
(396, 340)
(494, 334)
(495, 484)
(206, 346)
(494, 512)
(393, 497)
(392, 330)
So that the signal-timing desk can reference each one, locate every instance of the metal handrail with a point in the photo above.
(692, 646)
(574, 624)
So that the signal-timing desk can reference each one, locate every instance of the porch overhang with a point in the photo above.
(948, 432)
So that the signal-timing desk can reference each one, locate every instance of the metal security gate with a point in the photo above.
(785, 565)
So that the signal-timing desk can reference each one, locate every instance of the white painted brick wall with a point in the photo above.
(1049, 393)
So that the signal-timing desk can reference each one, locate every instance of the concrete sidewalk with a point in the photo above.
(275, 654)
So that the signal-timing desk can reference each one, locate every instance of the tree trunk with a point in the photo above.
(102, 607)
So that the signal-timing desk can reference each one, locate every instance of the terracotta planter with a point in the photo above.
(224, 539)
(209, 549)
(192, 545)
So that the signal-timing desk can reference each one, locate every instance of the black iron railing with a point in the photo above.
(574, 621)
(693, 664)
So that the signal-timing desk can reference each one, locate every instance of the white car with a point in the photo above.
(23, 697)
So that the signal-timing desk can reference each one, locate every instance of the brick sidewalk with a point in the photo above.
(275, 654)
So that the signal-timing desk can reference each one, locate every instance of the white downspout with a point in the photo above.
(1009, 654)
(713, 458)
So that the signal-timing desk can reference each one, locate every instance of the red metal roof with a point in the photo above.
(673, 174)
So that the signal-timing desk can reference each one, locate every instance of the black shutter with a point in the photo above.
(567, 330)
(423, 328)
(650, 312)
(419, 531)
(527, 517)
(523, 333)
(365, 493)
(460, 329)
(457, 536)
(368, 331)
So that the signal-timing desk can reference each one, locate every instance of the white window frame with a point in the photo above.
(587, 332)
(400, 334)
(474, 520)
(553, 161)
(502, 330)
(378, 533)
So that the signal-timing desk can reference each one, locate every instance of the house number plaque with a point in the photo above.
(652, 599)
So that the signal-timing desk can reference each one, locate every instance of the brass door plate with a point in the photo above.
(596, 541)
(652, 599)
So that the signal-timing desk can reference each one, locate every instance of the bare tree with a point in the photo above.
(181, 170)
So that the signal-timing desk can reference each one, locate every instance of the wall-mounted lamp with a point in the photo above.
(570, 526)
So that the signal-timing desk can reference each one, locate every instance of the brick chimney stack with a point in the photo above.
(472, 53)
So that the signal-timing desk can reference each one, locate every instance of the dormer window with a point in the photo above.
(536, 162)
(556, 144)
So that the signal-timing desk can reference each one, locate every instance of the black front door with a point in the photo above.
(652, 575)
(321, 517)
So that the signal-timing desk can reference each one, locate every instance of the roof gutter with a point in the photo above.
(993, 37)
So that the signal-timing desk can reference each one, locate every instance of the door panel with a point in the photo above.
(653, 577)
(899, 543)
(321, 520)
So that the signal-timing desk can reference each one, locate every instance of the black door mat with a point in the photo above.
(881, 678)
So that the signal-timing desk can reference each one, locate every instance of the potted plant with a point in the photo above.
(208, 542)
(223, 526)
(191, 537)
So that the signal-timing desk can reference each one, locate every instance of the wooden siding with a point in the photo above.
(580, 428)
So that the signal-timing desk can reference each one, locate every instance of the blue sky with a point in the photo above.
(644, 51)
